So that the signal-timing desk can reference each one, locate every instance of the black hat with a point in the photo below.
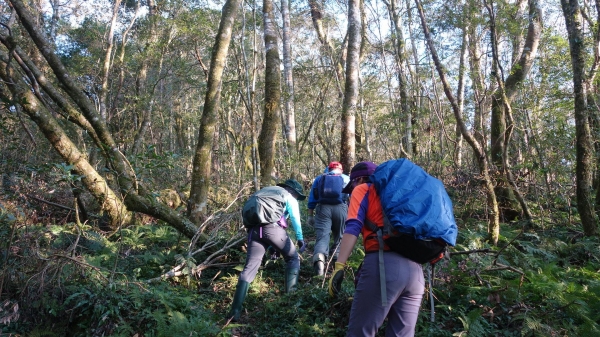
(294, 185)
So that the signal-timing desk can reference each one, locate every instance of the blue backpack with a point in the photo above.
(418, 218)
(329, 189)
(414, 202)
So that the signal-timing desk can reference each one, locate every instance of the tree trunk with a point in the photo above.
(351, 91)
(51, 129)
(268, 132)
(133, 195)
(502, 121)
(108, 61)
(126, 176)
(494, 225)
(201, 172)
(460, 96)
(482, 101)
(317, 19)
(144, 98)
(584, 145)
(288, 93)
(401, 63)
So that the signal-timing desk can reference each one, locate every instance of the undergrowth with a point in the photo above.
(69, 280)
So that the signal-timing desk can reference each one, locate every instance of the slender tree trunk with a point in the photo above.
(336, 62)
(502, 120)
(494, 225)
(201, 172)
(401, 63)
(592, 101)
(416, 104)
(288, 93)
(351, 92)
(144, 98)
(55, 18)
(584, 145)
(121, 59)
(268, 132)
(250, 92)
(460, 94)
(108, 61)
(482, 102)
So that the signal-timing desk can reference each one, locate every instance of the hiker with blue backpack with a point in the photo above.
(405, 217)
(264, 215)
(327, 213)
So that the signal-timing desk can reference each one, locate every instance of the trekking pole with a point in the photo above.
(431, 293)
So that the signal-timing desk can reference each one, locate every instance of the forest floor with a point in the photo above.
(64, 279)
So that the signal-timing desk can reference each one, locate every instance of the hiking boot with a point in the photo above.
(319, 268)
(291, 279)
(241, 290)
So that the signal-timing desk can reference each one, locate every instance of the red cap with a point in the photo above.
(335, 165)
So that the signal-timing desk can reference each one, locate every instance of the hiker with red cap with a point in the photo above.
(403, 278)
(327, 213)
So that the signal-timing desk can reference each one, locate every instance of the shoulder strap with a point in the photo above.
(382, 284)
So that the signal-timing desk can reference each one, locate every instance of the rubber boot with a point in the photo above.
(238, 299)
(319, 264)
(319, 267)
(291, 279)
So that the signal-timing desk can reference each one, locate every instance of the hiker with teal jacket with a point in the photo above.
(264, 215)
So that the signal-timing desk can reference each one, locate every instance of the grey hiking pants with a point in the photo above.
(259, 239)
(405, 288)
(329, 219)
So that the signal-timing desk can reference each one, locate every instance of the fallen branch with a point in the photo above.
(504, 267)
(57, 205)
(485, 250)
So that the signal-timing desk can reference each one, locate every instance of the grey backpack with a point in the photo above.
(264, 207)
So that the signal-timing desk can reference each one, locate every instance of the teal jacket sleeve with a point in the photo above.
(293, 211)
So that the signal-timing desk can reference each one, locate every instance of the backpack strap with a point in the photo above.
(382, 283)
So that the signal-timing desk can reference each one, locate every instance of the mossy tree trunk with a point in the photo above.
(201, 172)
(130, 196)
(584, 145)
(268, 132)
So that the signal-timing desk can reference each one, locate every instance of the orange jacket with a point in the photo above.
(365, 205)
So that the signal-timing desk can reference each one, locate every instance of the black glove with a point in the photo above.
(301, 246)
(273, 253)
(335, 282)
